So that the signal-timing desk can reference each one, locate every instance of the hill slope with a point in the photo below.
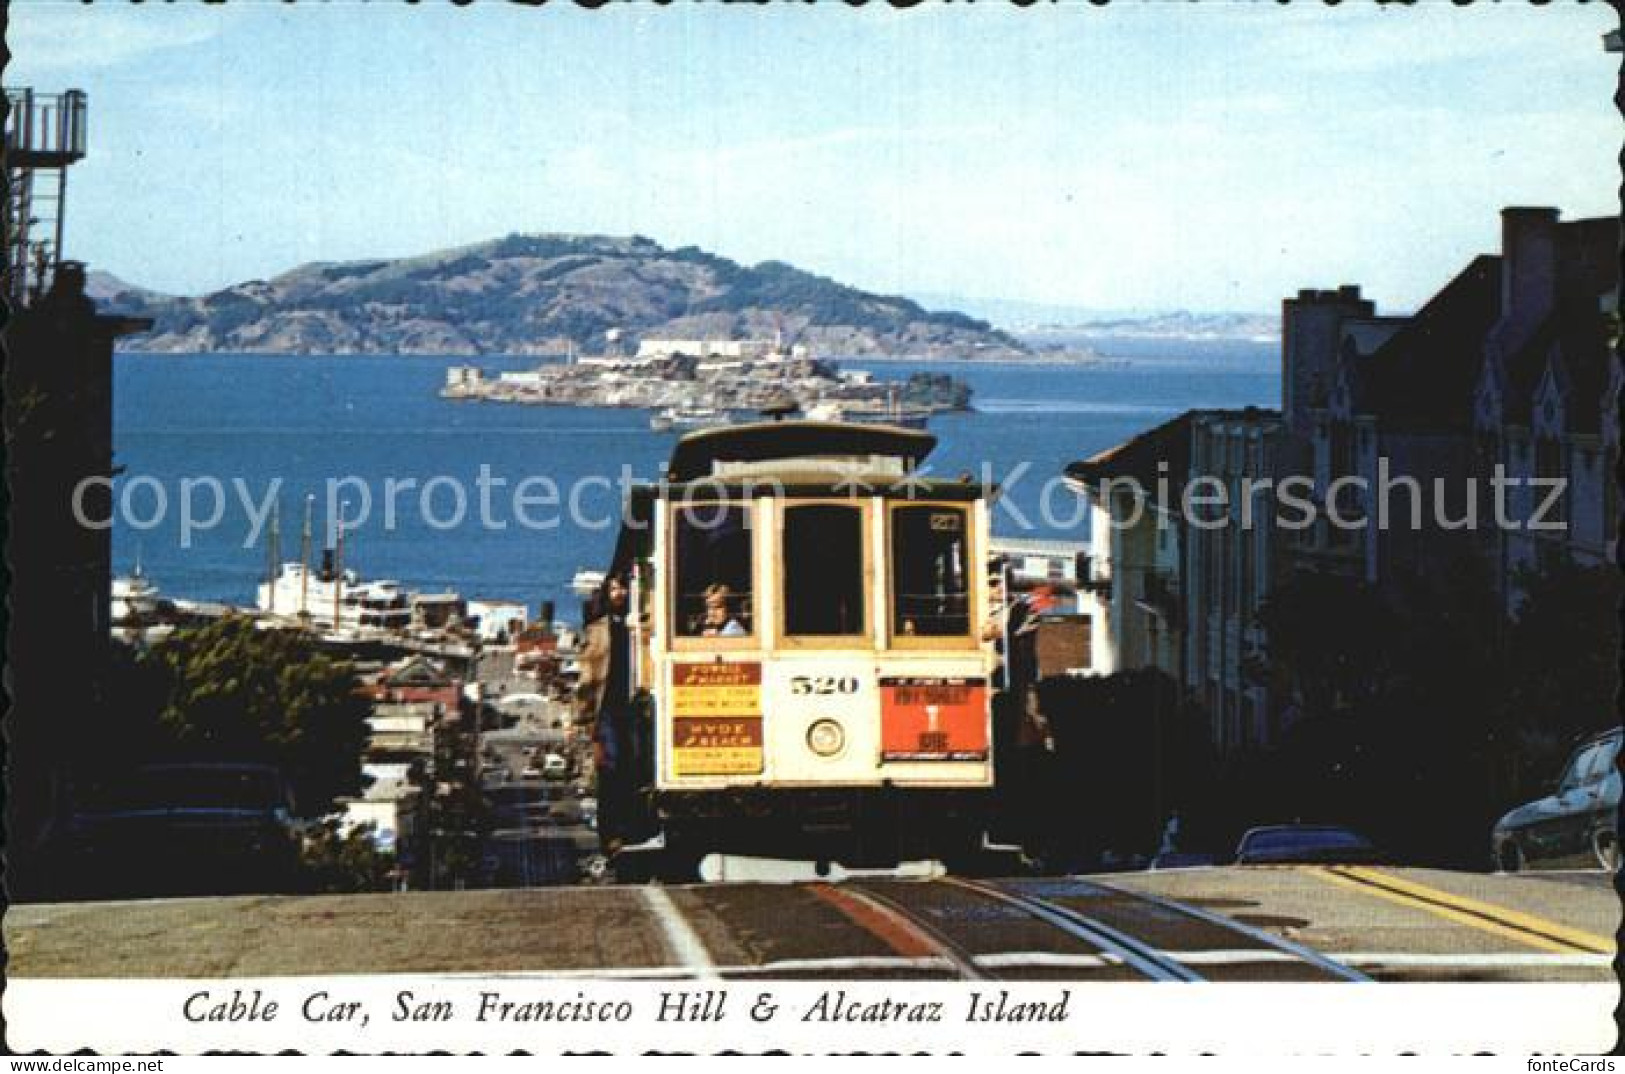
(532, 294)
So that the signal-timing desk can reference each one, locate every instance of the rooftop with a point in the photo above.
(1158, 454)
(1424, 374)
(697, 453)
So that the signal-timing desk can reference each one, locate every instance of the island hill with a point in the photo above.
(546, 294)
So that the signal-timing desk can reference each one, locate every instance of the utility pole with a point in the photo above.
(273, 552)
(338, 566)
(304, 560)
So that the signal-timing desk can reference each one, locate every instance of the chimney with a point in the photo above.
(1311, 327)
(1528, 267)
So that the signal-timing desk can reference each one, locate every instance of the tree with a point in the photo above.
(232, 691)
(337, 862)
(1130, 749)
(1418, 702)
(1327, 642)
(1562, 660)
(457, 816)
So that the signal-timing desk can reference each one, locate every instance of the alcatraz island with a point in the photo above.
(699, 382)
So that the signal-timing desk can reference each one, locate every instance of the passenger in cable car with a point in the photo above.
(719, 621)
(713, 573)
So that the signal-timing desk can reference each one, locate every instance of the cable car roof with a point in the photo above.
(698, 452)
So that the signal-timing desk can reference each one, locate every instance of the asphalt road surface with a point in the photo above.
(1299, 924)
(539, 838)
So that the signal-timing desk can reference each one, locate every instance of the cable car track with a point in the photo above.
(1158, 913)
(1269, 940)
(1210, 946)
(905, 930)
(1126, 949)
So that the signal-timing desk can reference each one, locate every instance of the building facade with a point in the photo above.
(1227, 572)
(1546, 393)
(1406, 426)
(1380, 467)
(59, 465)
(1132, 591)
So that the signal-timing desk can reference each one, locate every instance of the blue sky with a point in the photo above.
(1147, 156)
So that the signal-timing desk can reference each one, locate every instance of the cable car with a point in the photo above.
(807, 646)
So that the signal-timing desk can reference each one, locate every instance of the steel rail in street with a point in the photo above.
(1149, 961)
(1314, 958)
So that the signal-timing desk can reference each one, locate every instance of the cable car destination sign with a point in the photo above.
(717, 719)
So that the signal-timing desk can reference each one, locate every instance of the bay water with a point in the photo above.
(264, 428)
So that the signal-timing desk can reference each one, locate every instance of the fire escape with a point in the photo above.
(45, 135)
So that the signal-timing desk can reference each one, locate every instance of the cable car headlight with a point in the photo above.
(826, 738)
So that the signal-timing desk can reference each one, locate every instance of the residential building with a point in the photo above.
(391, 805)
(419, 679)
(438, 611)
(497, 620)
(1063, 644)
(1132, 596)
(737, 349)
(1031, 562)
(1390, 431)
(1045, 573)
(1545, 394)
(59, 460)
(1507, 367)
(1228, 571)
(1395, 421)
(402, 732)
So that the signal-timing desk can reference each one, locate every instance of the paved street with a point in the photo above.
(1222, 924)
(541, 836)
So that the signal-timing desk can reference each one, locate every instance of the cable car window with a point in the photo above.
(823, 571)
(713, 571)
(930, 575)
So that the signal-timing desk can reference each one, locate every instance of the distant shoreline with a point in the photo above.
(1035, 359)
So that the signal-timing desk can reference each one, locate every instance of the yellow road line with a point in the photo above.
(1527, 929)
(1534, 923)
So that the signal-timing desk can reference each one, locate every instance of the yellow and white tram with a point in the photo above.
(808, 645)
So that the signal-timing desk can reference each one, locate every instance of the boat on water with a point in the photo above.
(688, 417)
(891, 410)
(586, 583)
(899, 415)
(335, 599)
(825, 410)
(134, 597)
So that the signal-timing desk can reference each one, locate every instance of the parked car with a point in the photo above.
(1181, 860)
(566, 812)
(1306, 844)
(554, 766)
(194, 828)
(1576, 826)
(531, 772)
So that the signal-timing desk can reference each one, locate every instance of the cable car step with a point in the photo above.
(741, 869)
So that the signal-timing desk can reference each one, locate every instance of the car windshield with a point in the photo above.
(1598, 761)
(190, 788)
(1291, 840)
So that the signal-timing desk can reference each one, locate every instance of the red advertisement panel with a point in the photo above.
(933, 719)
